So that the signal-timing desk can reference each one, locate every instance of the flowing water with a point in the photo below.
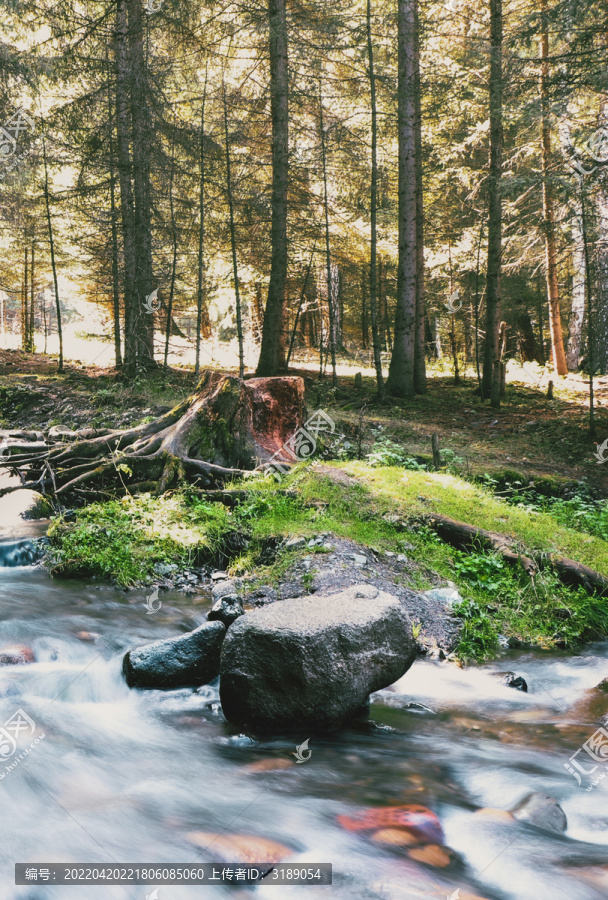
(124, 776)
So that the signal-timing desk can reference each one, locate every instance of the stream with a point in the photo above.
(125, 776)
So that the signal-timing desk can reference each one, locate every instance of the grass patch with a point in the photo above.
(417, 494)
(124, 539)
(503, 600)
(379, 507)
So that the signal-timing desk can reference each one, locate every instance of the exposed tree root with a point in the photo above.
(222, 431)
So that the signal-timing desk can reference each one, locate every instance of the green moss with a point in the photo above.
(379, 508)
(124, 539)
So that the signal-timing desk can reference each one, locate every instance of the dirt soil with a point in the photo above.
(530, 434)
(334, 564)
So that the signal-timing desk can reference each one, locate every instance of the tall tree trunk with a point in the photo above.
(491, 365)
(528, 347)
(601, 282)
(259, 312)
(200, 300)
(142, 140)
(437, 339)
(477, 307)
(577, 313)
(113, 225)
(302, 298)
(373, 264)
(419, 341)
(330, 299)
(237, 294)
(591, 334)
(467, 317)
(381, 306)
(387, 321)
(25, 318)
(174, 257)
(32, 340)
(272, 350)
(541, 326)
(454, 346)
(555, 321)
(123, 140)
(364, 325)
(452, 333)
(320, 307)
(400, 381)
(52, 249)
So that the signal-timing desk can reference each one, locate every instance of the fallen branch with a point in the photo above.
(570, 572)
(459, 534)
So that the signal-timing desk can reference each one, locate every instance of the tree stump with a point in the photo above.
(226, 428)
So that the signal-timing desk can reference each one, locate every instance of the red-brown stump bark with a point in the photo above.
(228, 427)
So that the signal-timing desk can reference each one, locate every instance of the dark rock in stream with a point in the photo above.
(16, 655)
(227, 610)
(516, 681)
(542, 811)
(311, 663)
(18, 553)
(186, 661)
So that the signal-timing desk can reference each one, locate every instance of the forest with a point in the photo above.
(384, 184)
(303, 432)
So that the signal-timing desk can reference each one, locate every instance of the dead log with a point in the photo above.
(459, 534)
(577, 575)
(222, 431)
(570, 572)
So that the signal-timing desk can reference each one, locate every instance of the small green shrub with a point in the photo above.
(387, 453)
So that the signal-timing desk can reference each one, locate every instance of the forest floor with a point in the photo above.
(529, 434)
(502, 471)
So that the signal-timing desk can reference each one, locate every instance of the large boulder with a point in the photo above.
(310, 663)
(186, 661)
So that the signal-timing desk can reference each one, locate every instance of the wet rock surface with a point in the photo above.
(19, 553)
(542, 811)
(326, 571)
(311, 662)
(16, 655)
(186, 661)
(226, 610)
